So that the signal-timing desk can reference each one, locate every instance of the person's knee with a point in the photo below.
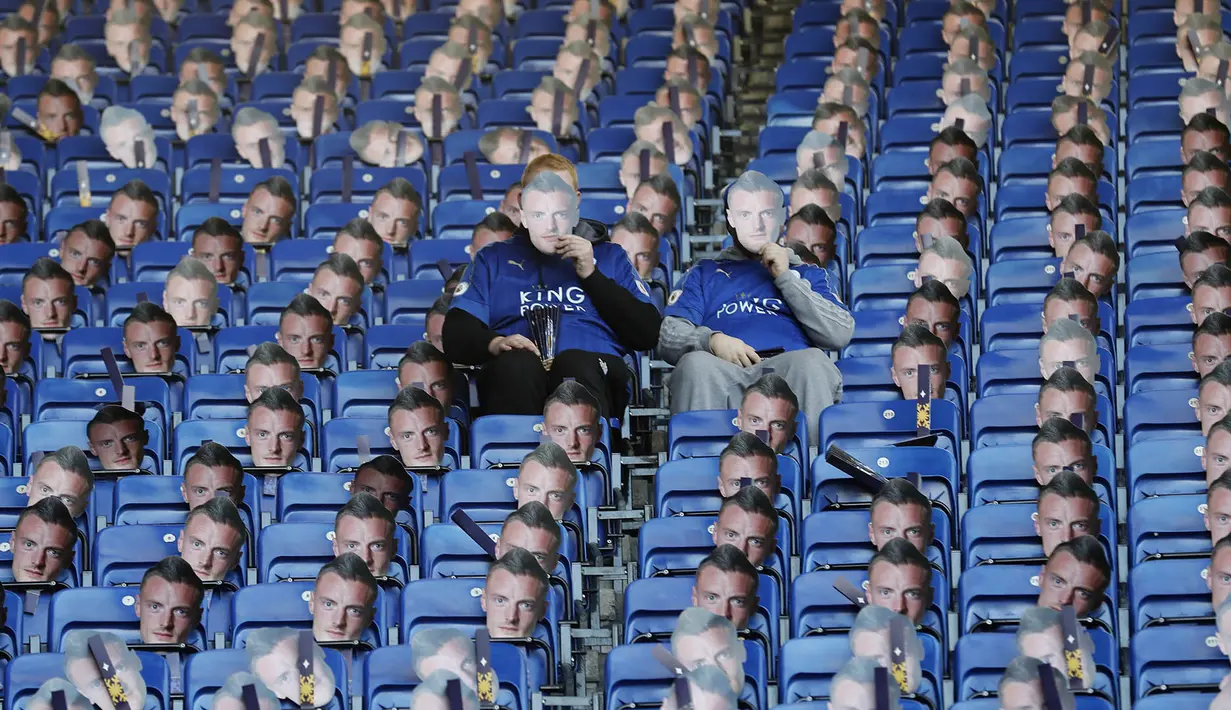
(693, 364)
(572, 363)
(515, 363)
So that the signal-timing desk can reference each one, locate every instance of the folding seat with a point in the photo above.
(832, 489)
(455, 603)
(367, 394)
(635, 678)
(1166, 657)
(866, 424)
(454, 226)
(235, 185)
(1169, 465)
(296, 260)
(1039, 33)
(297, 551)
(1155, 275)
(221, 396)
(1184, 700)
(899, 206)
(494, 181)
(868, 379)
(267, 300)
(1025, 200)
(1155, 88)
(150, 262)
(57, 399)
(105, 609)
(487, 496)
(1031, 128)
(1004, 474)
(1169, 591)
(1038, 92)
(120, 299)
(1159, 367)
(189, 434)
(1018, 326)
(1038, 63)
(1148, 193)
(1010, 419)
(286, 604)
(689, 486)
(1153, 123)
(206, 673)
(384, 345)
(103, 183)
(1152, 231)
(874, 287)
(704, 433)
(1021, 280)
(159, 500)
(81, 351)
(993, 596)
(231, 346)
(123, 553)
(1154, 158)
(1160, 415)
(16, 258)
(501, 441)
(651, 609)
(816, 14)
(673, 545)
(837, 539)
(806, 667)
(24, 675)
(314, 497)
(997, 534)
(388, 680)
(448, 552)
(90, 149)
(980, 660)
(48, 436)
(793, 107)
(1167, 527)
(339, 450)
(1017, 372)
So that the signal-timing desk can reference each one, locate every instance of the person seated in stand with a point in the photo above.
(939, 218)
(251, 128)
(900, 510)
(343, 599)
(958, 182)
(1060, 447)
(605, 310)
(1211, 293)
(515, 595)
(151, 340)
(191, 294)
(212, 539)
(753, 285)
(14, 215)
(305, 330)
(547, 476)
(917, 349)
(117, 438)
(168, 607)
(274, 431)
(1211, 343)
(213, 472)
(571, 420)
(418, 429)
(87, 252)
(220, 247)
(47, 295)
(1093, 261)
(1067, 508)
(268, 211)
(63, 474)
(900, 579)
(273, 656)
(945, 260)
(338, 284)
(1063, 222)
(748, 461)
(1076, 574)
(533, 529)
(1069, 300)
(726, 585)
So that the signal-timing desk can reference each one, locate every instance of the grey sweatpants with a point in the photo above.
(704, 381)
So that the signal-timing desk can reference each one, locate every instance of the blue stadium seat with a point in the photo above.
(286, 604)
(1162, 592)
(102, 609)
(1165, 466)
(205, 673)
(24, 675)
(1167, 656)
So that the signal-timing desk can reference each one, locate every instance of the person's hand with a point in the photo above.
(580, 251)
(733, 350)
(775, 258)
(505, 343)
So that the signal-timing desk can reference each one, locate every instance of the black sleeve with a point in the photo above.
(635, 322)
(466, 338)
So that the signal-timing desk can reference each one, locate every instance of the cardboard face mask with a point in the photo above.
(755, 211)
(550, 210)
